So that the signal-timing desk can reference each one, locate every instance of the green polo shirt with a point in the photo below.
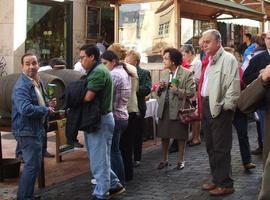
(100, 82)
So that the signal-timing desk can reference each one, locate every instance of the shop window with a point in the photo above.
(46, 30)
(93, 20)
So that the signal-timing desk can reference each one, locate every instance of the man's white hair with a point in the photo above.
(215, 33)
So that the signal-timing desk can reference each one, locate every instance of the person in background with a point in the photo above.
(44, 65)
(58, 63)
(30, 109)
(248, 102)
(54, 63)
(121, 94)
(134, 58)
(220, 91)
(250, 41)
(256, 64)
(127, 138)
(176, 84)
(240, 122)
(100, 45)
(78, 67)
(196, 67)
(98, 142)
(260, 47)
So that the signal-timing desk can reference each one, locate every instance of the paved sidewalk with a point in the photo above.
(171, 184)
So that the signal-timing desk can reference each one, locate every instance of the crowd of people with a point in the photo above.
(113, 96)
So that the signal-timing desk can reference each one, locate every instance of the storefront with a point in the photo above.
(100, 21)
(49, 30)
(151, 26)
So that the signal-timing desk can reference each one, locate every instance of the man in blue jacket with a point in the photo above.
(29, 112)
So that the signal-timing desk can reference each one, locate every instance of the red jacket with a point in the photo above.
(205, 62)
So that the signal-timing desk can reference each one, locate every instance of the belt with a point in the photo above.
(205, 98)
(105, 113)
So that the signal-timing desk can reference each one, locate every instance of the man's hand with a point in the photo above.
(52, 103)
(265, 74)
(51, 110)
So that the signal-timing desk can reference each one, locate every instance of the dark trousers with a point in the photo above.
(126, 145)
(138, 138)
(72, 137)
(240, 123)
(117, 164)
(218, 138)
(261, 114)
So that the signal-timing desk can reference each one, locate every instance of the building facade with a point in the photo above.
(57, 28)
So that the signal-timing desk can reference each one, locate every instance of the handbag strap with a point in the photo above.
(184, 101)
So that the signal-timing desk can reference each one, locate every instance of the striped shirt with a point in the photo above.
(121, 92)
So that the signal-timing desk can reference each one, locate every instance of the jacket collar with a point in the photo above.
(26, 79)
(217, 56)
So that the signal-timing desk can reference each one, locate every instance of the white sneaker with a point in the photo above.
(93, 181)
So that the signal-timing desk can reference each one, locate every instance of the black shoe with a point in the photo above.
(257, 151)
(36, 197)
(116, 191)
(95, 198)
(48, 155)
(78, 145)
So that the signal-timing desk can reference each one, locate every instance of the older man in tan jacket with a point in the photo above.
(220, 92)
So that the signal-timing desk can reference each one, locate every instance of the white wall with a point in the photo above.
(13, 32)
(79, 24)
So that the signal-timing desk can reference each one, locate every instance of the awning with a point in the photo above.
(244, 22)
(211, 9)
(208, 9)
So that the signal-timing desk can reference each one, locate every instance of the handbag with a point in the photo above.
(188, 115)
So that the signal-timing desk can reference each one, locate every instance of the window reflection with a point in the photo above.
(46, 30)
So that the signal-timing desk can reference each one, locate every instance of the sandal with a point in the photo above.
(163, 164)
(191, 144)
(180, 165)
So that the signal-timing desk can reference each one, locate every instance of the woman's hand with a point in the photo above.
(173, 88)
(162, 84)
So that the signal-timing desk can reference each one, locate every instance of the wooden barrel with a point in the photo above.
(67, 75)
(7, 83)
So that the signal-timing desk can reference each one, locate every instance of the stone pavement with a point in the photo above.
(171, 184)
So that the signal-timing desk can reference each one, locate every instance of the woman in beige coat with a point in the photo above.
(175, 83)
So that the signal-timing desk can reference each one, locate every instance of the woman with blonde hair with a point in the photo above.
(127, 138)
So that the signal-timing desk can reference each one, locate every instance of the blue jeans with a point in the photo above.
(99, 151)
(31, 149)
(18, 152)
(240, 123)
(116, 156)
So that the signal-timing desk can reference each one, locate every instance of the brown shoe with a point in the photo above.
(249, 166)
(221, 191)
(209, 186)
(257, 151)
